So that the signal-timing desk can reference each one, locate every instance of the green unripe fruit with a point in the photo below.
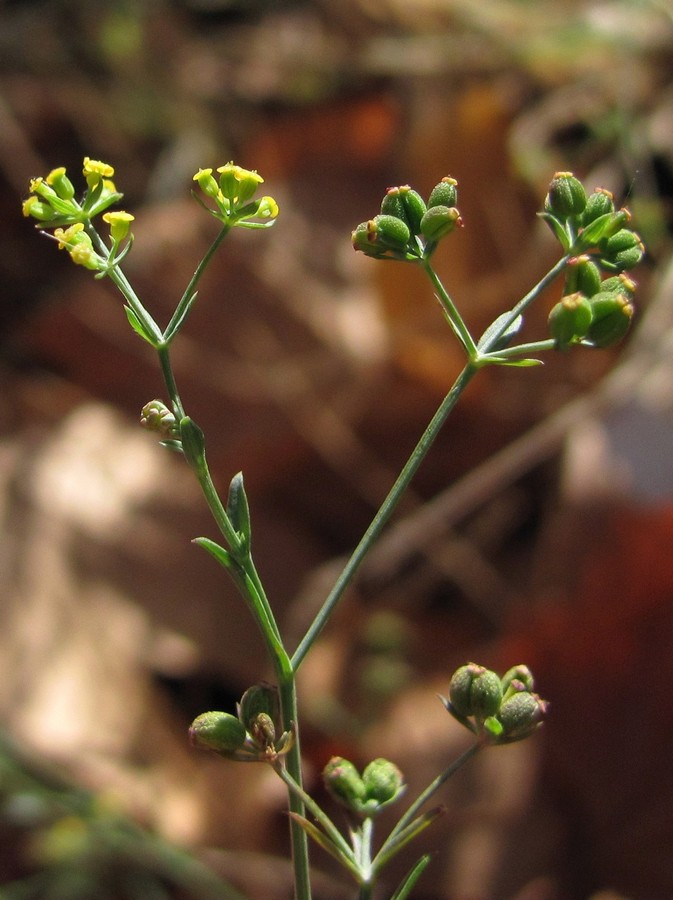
(570, 319)
(445, 193)
(624, 249)
(475, 691)
(406, 204)
(587, 278)
(344, 783)
(382, 781)
(620, 284)
(391, 231)
(521, 715)
(217, 731)
(439, 221)
(611, 318)
(566, 196)
(382, 236)
(599, 203)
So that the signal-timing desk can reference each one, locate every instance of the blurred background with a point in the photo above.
(539, 530)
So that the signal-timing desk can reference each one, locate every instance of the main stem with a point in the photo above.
(385, 512)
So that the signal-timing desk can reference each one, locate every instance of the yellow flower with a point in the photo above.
(238, 184)
(268, 208)
(95, 170)
(120, 223)
(66, 237)
(61, 183)
(205, 180)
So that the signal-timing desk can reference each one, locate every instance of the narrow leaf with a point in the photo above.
(393, 845)
(558, 229)
(137, 325)
(519, 363)
(346, 860)
(175, 326)
(411, 878)
(223, 556)
(492, 333)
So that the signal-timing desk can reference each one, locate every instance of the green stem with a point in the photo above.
(288, 701)
(177, 316)
(385, 512)
(525, 302)
(451, 312)
(431, 789)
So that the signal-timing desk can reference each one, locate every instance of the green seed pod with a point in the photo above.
(260, 698)
(600, 203)
(587, 277)
(475, 691)
(570, 319)
(405, 204)
(521, 715)
(611, 318)
(566, 196)
(445, 193)
(624, 249)
(391, 232)
(383, 781)
(392, 205)
(382, 236)
(439, 221)
(344, 783)
(620, 284)
(217, 731)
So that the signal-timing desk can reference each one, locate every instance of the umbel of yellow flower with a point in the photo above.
(233, 195)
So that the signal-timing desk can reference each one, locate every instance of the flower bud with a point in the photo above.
(600, 203)
(475, 691)
(566, 196)
(344, 783)
(570, 319)
(383, 781)
(217, 731)
(611, 317)
(521, 715)
(445, 193)
(439, 221)
(156, 416)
